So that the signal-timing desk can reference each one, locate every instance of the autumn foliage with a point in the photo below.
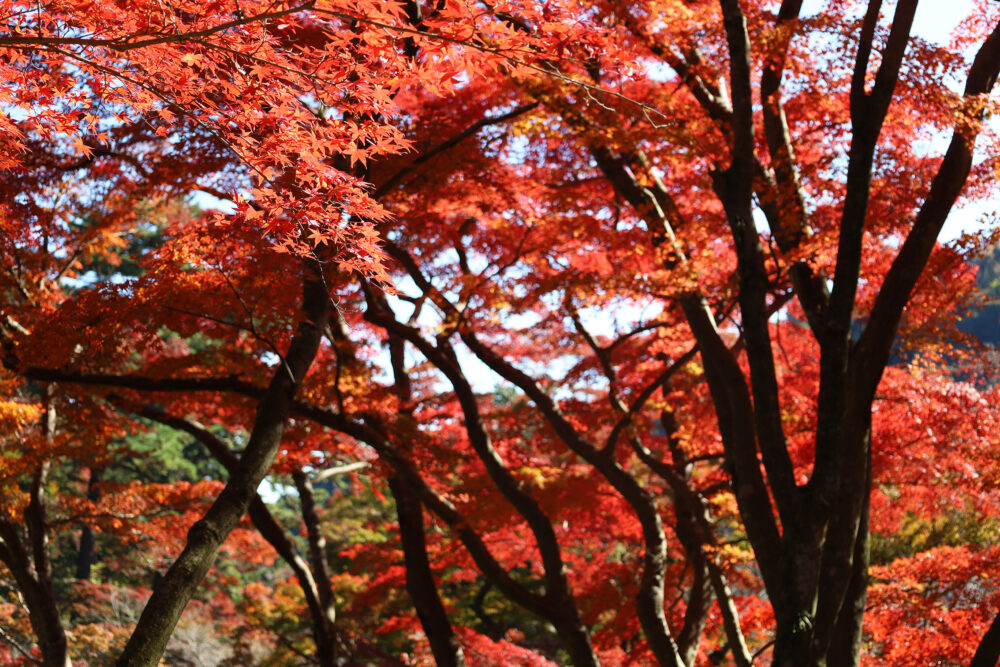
(495, 333)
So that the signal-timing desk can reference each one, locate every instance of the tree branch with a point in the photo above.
(148, 640)
(122, 45)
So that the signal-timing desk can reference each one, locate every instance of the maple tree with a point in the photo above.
(610, 333)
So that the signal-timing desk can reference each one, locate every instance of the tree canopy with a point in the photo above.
(578, 332)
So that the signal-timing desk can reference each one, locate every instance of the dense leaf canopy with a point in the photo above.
(579, 332)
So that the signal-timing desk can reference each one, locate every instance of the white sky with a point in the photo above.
(934, 21)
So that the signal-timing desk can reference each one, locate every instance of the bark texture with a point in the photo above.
(160, 616)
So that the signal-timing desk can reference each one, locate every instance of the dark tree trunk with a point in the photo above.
(317, 554)
(85, 553)
(410, 515)
(696, 613)
(269, 528)
(988, 652)
(420, 579)
(28, 562)
(559, 598)
(158, 619)
(44, 610)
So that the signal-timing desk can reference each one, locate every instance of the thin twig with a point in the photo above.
(548, 71)
(14, 41)
(4, 635)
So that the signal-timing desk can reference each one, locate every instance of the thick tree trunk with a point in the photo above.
(265, 523)
(988, 651)
(45, 617)
(85, 552)
(845, 647)
(696, 614)
(409, 512)
(158, 619)
(29, 564)
(420, 579)
(40, 600)
(43, 613)
(689, 533)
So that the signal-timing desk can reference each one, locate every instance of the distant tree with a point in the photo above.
(984, 321)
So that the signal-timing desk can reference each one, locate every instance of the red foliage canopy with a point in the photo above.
(626, 317)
